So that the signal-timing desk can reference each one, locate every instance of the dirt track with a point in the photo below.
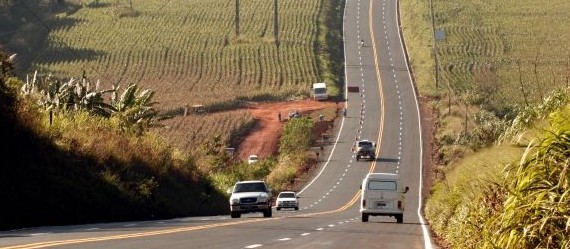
(264, 138)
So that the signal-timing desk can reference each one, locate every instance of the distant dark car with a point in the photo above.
(365, 149)
(294, 114)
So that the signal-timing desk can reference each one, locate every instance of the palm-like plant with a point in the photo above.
(74, 94)
(134, 109)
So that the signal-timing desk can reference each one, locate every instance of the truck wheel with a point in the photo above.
(400, 218)
(278, 208)
(364, 217)
(267, 213)
(296, 208)
(357, 158)
(235, 214)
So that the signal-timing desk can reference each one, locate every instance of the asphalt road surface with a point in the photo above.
(383, 109)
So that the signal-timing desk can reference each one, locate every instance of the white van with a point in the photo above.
(382, 195)
(319, 91)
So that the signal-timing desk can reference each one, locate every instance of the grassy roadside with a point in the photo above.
(418, 36)
(500, 64)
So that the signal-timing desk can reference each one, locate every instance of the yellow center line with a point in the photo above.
(194, 228)
(380, 90)
(132, 235)
(170, 231)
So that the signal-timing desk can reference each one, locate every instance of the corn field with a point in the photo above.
(513, 52)
(188, 51)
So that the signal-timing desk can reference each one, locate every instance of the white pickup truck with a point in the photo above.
(250, 197)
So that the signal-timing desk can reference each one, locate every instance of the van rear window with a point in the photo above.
(382, 185)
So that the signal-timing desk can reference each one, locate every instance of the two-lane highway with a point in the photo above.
(383, 109)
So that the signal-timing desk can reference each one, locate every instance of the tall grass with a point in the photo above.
(293, 146)
(536, 210)
(501, 65)
(482, 204)
(74, 167)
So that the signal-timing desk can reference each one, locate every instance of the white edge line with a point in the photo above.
(345, 106)
(427, 238)
(253, 246)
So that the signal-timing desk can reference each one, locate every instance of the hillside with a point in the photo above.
(259, 58)
(55, 176)
(78, 169)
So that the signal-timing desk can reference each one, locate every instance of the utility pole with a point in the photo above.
(236, 19)
(435, 55)
(276, 21)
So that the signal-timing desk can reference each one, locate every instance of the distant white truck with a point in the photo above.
(382, 194)
(319, 91)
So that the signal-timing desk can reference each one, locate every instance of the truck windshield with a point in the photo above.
(382, 185)
(250, 187)
(320, 90)
(287, 195)
(365, 144)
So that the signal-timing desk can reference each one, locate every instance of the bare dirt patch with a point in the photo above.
(263, 139)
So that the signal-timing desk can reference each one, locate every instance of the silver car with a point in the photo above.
(287, 199)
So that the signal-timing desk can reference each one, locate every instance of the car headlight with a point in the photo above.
(262, 198)
(234, 201)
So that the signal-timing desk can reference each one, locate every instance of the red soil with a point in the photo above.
(263, 140)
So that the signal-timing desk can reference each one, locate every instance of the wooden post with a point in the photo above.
(236, 19)
(521, 83)
(276, 22)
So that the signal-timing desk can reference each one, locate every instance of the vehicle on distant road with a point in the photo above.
(250, 197)
(287, 199)
(382, 194)
(319, 91)
(294, 114)
(365, 149)
(252, 159)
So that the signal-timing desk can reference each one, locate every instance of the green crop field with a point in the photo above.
(189, 53)
(494, 59)
(499, 46)
(505, 50)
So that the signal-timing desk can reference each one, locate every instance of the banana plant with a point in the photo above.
(74, 94)
(134, 109)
